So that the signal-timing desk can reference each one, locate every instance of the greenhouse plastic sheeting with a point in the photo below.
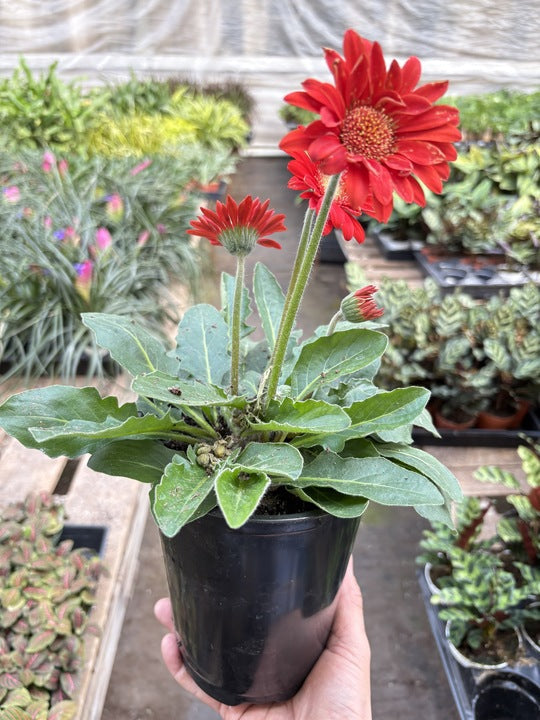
(271, 44)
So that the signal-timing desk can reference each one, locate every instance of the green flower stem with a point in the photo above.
(333, 322)
(236, 319)
(297, 287)
(300, 253)
(200, 420)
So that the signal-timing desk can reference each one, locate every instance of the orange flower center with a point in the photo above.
(368, 132)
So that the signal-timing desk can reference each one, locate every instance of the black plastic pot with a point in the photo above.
(254, 606)
(507, 699)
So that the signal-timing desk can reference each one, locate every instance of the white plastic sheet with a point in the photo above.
(272, 44)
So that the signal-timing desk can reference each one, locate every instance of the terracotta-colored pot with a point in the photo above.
(445, 423)
(491, 421)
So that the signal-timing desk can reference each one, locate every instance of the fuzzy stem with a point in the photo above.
(236, 318)
(333, 322)
(297, 287)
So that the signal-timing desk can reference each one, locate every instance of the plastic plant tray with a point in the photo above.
(477, 278)
(471, 688)
(393, 249)
(480, 437)
(90, 537)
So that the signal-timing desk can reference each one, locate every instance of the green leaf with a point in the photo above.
(435, 514)
(227, 302)
(328, 358)
(426, 464)
(270, 300)
(19, 697)
(14, 713)
(239, 490)
(65, 710)
(133, 347)
(386, 410)
(176, 392)
(178, 494)
(202, 342)
(303, 416)
(89, 435)
(279, 459)
(333, 502)
(376, 479)
(40, 641)
(142, 460)
(55, 407)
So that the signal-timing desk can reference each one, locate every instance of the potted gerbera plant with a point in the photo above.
(262, 456)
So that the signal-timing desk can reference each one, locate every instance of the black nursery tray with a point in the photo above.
(473, 437)
(89, 537)
(511, 693)
(478, 279)
(393, 249)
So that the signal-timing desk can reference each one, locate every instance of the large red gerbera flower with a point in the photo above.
(307, 177)
(376, 124)
(239, 227)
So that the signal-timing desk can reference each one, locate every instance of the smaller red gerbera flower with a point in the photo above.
(308, 178)
(360, 306)
(239, 227)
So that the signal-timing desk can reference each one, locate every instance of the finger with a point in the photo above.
(163, 612)
(175, 665)
(349, 618)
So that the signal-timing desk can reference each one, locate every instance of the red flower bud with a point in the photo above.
(360, 306)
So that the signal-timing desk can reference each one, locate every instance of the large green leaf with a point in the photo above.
(376, 479)
(270, 300)
(55, 407)
(328, 358)
(386, 410)
(426, 464)
(333, 502)
(303, 416)
(88, 435)
(435, 514)
(239, 491)
(133, 347)
(167, 388)
(202, 342)
(179, 494)
(227, 301)
(142, 460)
(279, 459)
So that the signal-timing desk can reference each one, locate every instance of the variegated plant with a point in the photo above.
(47, 591)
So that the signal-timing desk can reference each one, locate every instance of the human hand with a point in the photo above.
(337, 687)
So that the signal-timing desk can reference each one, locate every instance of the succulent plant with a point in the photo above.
(47, 591)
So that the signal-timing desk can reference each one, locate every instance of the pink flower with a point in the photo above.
(103, 238)
(63, 167)
(143, 238)
(48, 162)
(115, 207)
(161, 228)
(12, 193)
(47, 221)
(83, 282)
(140, 167)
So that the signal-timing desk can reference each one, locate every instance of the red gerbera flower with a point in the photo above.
(308, 177)
(239, 227)
(360, 305)
(376, 124)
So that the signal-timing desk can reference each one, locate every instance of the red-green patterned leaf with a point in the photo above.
(40, 641)
(26, 676)
(9, 680)
(13, 713)
(38, 710)
(19, 697)
(67, 683)
(9, 617)
(36, 593)
(35, 660)
(64, 710)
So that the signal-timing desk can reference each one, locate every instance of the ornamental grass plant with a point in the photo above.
(251, 426)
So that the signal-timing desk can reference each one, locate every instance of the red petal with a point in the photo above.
(430, 177)
(295, 141)
(447, 133)
(397, 162)
(380, 181)
(378, 69)
(413, 104)
(421, 153)
(326, 95)
(436, 116)
(267, 242)
(393, 78)
(410, 74)
(403, 187)
(357, 185)
(302, 100)
(329, 153)
(432, 91)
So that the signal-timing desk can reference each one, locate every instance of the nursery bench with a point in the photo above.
(90, 498)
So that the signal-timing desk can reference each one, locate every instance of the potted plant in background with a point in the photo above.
(437, 541)
(262, 456)
(485, 607)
